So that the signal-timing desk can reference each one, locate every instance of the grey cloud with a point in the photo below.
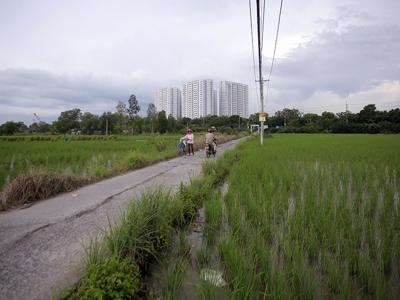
(342, 62)
(23, 89)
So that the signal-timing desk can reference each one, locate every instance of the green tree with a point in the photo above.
(151, 115)
(122, 117)
(162, 122)
(132, 110)
(172, 125)
(11, 127)
(288, 117)
(368, 114)
(109, 121)
(68, 120)
(90, 123)
(40, 127)
(327, 120)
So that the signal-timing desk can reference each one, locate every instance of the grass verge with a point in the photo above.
(34, 170)
(144, 235)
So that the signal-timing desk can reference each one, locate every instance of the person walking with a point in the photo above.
(190, 140)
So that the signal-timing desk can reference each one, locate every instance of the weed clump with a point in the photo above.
(34, 186)
(115, 278)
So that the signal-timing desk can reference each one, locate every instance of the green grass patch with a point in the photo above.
(314, 216)
(73, 161)
(144, 235)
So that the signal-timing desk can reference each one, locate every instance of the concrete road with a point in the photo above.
(41, 247)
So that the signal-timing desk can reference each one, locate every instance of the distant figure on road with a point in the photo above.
(190, 140)
(182, 146)
(211, 146)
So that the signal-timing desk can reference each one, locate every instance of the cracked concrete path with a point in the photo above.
(41, 247)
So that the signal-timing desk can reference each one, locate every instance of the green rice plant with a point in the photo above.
(176, 271)
(174, 279)
(207, 291)
(144, 232)
(203, 258)
(318, 215)
(213, 217)
(241, 275)
(187, 200)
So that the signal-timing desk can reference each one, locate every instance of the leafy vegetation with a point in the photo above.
(368, 120)
(314, 217)
(143, 235)
(39, 166)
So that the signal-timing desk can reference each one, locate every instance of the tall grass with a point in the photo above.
(144, 235)
(73, 161)
(314, 217)
(79, 157)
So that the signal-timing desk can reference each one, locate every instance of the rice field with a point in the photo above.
(79, 157)
(303, 217)
(310, 217)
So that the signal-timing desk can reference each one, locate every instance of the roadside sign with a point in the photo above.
(262, 116)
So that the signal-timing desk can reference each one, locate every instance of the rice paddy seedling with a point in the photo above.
(174, 279)
(316, 215)
(213, 217)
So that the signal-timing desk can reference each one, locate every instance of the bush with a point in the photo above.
(136, 160)
(116, 278)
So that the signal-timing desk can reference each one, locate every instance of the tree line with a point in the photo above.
(126, 120)
(368, 120)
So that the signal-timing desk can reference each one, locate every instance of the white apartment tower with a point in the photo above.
(215, 104)
(169, 100)
(198, 99)
(233, 99)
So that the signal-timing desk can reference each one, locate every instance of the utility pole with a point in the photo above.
(260, 70)
(347, 119)
(106, 126)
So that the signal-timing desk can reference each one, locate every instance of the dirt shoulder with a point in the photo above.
(41, 247)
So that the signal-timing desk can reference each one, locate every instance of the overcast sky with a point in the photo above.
(58, 55)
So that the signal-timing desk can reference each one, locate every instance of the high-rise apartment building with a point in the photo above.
(198, 99)
(233, 99)
(215, 104)
(169, 100)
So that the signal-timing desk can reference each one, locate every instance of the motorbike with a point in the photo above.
(211, 149)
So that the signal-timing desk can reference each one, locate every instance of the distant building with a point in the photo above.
(233, 99)
(169, 100)
(198, 98)
(215, 104)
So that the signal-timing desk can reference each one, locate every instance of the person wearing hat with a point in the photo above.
(210, 140)
(190, 140)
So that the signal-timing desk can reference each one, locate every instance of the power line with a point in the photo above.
(276, 42)
(262, 27)
(252, 48)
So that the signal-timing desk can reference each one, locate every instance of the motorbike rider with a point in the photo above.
(210, 139)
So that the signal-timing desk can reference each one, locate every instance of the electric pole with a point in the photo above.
(260, 71)
(347, 119)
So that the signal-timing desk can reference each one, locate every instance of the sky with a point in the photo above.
(90, 54)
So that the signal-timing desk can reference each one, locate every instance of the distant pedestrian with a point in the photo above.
(211, 145)
(190, 141)
(182, 146)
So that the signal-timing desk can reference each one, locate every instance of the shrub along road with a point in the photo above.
(41, 247)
